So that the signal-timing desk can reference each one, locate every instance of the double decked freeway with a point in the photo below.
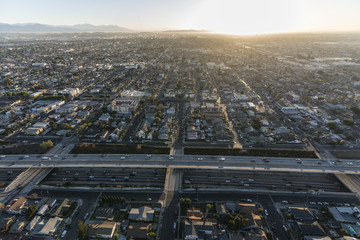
(192, 162)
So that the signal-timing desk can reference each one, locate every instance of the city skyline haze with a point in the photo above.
(227, 16)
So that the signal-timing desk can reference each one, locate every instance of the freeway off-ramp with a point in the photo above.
(191, 161)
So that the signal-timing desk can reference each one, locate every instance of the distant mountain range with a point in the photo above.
(43, 28)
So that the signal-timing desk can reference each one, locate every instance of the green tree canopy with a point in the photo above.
(82, 230)
(30, 212)
(332, 125)
(348, 122)
(46, 145)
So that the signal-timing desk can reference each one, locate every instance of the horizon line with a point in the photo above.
(185, 30)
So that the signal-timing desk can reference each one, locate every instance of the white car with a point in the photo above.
(266, 212)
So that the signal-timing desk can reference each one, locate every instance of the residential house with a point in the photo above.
(138, 230)
(50, 227)
(197, 229)
(104, 230)
(17, 206)
(145, 214)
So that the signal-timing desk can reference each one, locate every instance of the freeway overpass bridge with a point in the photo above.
(245, 163)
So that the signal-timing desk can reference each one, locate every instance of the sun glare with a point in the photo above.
(245, 17)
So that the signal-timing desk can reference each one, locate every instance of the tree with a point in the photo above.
(159, 107)
(157, 119)
(256, 124)
(338, 131)
(350, 137)
(342, 142)
(67, 126)
(82, 230)
(355, 110)
(348, 122)
(331, 125)
(209, 207)
(142, 101)
(344, 232)
(260, 210)
(46, 145)
(30, 212)
(184, 204)
(152, 235)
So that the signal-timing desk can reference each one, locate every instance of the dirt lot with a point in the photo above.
(29, 148)
(346, 154)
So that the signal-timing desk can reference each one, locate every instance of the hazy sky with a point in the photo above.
(228, 16)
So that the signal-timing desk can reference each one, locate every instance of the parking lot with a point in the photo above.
(279, 181)
(107, 177)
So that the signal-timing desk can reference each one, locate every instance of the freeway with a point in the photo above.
(191, 161)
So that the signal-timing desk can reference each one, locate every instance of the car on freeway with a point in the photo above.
(284, 202)
(222, 159)
(200, 159)
(285, 228)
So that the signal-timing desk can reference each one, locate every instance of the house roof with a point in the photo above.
(32, 224)
(246, 207)
(312, 229)
(50, 227)
(141, 214)
(18, 204)
(107, 213)
(301, 213)
(138, 230)
(105, 228)
(63, 205)
(194, 214)
(192, 228)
